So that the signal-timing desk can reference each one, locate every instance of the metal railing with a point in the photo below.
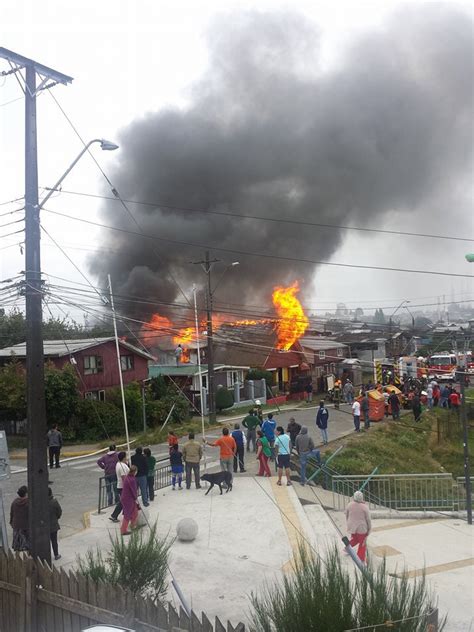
(402, 491)
(107, 496)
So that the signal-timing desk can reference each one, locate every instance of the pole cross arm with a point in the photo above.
(45, 71)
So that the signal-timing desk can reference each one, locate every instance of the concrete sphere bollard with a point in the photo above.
(187, 530)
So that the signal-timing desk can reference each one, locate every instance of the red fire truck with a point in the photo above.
(442, 366)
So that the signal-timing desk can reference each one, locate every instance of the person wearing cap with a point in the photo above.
(358, 524)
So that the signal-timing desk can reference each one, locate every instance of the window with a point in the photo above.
(233, 377)
(340, 352)
(95, 395)
(92, 365)
(322, 355)
(204, 381)
(126, 362)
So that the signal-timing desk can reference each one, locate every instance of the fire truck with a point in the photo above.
(442, 366)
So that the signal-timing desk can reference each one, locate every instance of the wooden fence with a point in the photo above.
(36, 598)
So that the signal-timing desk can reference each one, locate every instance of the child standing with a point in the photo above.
(176, 460)
(172, 440)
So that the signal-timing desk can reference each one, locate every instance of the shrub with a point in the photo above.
(138, 564)
(158, 410)
(259, 374)
(224, 398)
(323, 596)
(94, 420)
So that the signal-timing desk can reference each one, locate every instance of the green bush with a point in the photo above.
(93, 421)
(138, 564)
(133, 402)
(224, 398)
(158, 410)
(259, 374)
(324, 596)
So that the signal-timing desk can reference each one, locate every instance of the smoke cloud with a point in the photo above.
(269, 132)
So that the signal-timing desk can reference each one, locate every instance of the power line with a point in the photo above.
(261, 255)
(115, 191)
(278, 220)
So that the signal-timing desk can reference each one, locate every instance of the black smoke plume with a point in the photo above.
(270, 132)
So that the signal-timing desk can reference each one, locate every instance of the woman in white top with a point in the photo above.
(121, 469)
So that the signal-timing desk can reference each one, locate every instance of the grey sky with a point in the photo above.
(133, 59)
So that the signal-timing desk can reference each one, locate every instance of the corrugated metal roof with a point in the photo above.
(320, 344)
(154, 370)
(60, 348)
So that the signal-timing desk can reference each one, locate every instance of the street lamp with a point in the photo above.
(105, 145)
(37, 465)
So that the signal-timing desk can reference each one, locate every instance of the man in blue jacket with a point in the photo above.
(268, 429)
(322, 419)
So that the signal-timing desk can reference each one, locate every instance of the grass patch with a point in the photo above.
(395, 448)
(433, 445)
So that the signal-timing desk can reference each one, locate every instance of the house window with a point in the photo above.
(204, 381)
(233, 377)
(126, 362)
(98, 396)
(322, 355)
(340, 352)
(92, 365)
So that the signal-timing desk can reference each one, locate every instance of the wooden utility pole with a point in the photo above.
(35, 398)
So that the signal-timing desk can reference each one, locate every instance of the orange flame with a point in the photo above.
(183, 337)
(292, 322)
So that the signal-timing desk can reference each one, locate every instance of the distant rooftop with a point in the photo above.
(61, 348)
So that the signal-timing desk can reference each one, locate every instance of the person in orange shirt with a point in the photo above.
(228, 449)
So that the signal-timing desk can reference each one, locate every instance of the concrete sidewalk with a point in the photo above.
(244, 541)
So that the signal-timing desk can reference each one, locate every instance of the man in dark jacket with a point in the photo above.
(55, 443)
(250, 422)
(322, 419)
(107, 462)
(140, 460)
(394, 405)
(293, 430)
(55, 512)
(239, 439)
(365, 408)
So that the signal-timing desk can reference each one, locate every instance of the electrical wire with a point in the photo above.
(279, 220)
(259, 255)
(114, 190)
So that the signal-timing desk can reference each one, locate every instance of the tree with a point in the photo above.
(61, 393)
(13, 391)
(379, 317)
(358, 314)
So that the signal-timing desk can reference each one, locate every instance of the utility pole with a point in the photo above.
(210, 345)
(463, 374)
(211, 395)
(35, 398)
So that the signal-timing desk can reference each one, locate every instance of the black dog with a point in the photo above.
(218, 479)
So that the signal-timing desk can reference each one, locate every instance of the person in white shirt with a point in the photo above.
(121, 470)
(356, 415)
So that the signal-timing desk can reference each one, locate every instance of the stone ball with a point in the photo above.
(187, 529)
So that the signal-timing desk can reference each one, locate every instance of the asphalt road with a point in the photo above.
(76, 483)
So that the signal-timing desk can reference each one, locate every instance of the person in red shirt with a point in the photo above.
(228, 449)
(172, 440)
(454, 400)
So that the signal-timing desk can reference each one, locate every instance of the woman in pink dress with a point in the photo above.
(129, 500)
